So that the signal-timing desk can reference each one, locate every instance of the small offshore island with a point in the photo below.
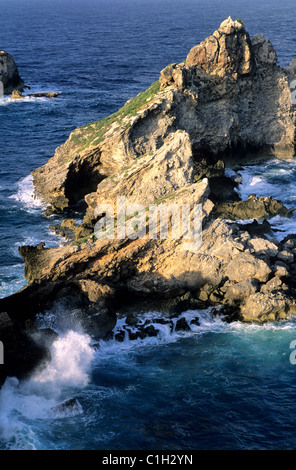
(13, 84)
(229, 100)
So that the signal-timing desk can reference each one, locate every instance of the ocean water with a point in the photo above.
(218, 386)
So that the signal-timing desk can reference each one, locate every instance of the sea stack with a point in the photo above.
(9, 74)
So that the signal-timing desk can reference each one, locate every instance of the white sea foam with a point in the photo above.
(255, 180)
(166, 333)
(26, 194)
(275, 178)
(8, 100)
(23, 402)
(72, 355)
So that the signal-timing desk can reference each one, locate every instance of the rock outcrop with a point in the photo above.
(166, 149)
(229, 95)
(17, 95)
(9, 75)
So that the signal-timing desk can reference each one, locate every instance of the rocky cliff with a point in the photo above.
(168, 146)
(229, 95)
(9, 75)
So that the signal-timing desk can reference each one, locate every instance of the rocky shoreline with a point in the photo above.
(169, 145)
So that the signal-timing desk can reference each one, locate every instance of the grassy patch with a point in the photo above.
(93, 134)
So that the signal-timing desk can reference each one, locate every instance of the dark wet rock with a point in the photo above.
(165, 321)
(257, 228)
(223, 189)
(9, 74)
(254, 207)
(131, 320)
(67, 409)
(120, 336)
(22, 354)
(44, 94)
(182, 325)
(150, 331)
(184, 302)
(45, 337)
(134, 335)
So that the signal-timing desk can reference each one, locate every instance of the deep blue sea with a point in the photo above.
(218, 386)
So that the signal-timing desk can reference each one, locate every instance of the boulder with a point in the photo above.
(236, 293)
(263, 247)
(267, 306)
(67, 409)
(275, 284)
(280, 269)
(286, 256)
(245, 266)
(9, 75)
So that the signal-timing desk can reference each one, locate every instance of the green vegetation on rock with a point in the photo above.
(93, 134)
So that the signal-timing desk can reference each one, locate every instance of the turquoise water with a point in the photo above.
(218, 386)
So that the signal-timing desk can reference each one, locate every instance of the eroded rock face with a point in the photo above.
(149, 178)
(227, 52)
(9, 74)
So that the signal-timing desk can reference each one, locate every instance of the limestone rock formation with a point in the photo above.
(166, 148)
(9, 74)
(227, 52)
(230, 96)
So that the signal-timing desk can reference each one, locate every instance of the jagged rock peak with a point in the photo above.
(228, 51)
